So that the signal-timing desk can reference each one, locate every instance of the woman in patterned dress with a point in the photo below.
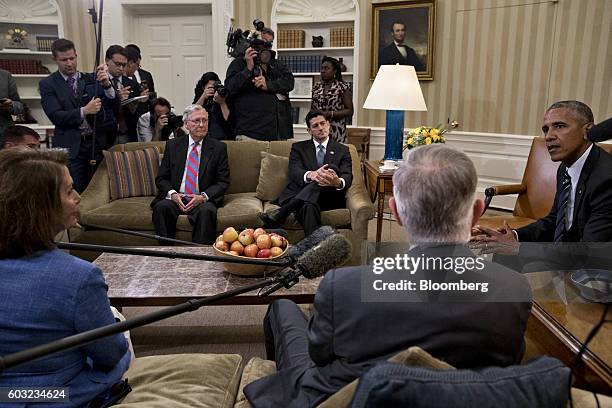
(333, 96)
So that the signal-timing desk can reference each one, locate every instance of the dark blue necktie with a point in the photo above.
(564, 195)
(320, 155)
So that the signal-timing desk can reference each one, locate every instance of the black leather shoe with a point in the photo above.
(270, 219)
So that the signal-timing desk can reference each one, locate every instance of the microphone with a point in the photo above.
(310, 242)
(601, 131)
(332, 252)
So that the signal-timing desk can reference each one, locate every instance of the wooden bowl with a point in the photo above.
(249, 270)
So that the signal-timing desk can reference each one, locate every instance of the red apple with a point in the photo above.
(264, 242)
(237, 247)
(258, 232)
(230, 235)
(277, 240)
(263, 253)
(251, 251)
(246, 237)
(222, 246)
(275, 251)
(234, 253)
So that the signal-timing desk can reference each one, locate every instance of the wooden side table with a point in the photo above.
(378, 184)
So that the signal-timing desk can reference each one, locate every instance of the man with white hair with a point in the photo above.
(355, 325)
(192, 179)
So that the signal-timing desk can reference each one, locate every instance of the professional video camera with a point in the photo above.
(238, 41)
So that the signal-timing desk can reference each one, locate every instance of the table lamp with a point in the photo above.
(396, 89)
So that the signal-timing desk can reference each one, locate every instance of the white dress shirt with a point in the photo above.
(316, 150)
(574, 172)
(401, 49)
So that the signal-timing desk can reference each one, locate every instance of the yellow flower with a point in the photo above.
(409, 141)
(428, 141)
(425, 132)
(435, 138)
(434, 132)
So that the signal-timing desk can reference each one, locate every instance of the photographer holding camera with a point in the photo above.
(259, 86)
(160, 123)
(211, 94)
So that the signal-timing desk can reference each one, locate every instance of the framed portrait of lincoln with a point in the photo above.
(403, 33)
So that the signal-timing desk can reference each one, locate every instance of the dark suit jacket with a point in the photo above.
(63, 109)
(8, 89)
(146, 76)
(601, 131)
(303, 158)
(391, 56)
(132, 112)
(213, 177)
(348, 336)
(592, 219)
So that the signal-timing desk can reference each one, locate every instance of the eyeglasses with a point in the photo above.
(199, 122)
(119, 64)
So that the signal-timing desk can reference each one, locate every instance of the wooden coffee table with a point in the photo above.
(151, 281)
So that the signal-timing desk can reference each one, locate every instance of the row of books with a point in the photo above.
(302, 63)
(341, 37)
(290, 38)
(23, 66)
(44, 43)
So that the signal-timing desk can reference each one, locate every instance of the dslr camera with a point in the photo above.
(238, 41)
(174, 121)
(220, 89)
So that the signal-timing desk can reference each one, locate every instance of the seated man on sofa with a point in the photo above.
(346, 335)
(320, 173)
(192, 179)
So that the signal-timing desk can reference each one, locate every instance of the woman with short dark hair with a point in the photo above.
(46, 293)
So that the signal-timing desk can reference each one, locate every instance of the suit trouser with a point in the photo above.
(285, 329)
(203, 218)
(80, 167)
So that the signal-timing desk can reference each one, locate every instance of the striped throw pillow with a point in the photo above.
(132, 173)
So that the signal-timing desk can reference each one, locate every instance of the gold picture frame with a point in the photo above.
(418, 18)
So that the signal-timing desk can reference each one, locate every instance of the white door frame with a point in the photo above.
(119, 15)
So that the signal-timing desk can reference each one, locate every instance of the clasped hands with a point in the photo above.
(325, 177)
(494, 241)
(187, 202)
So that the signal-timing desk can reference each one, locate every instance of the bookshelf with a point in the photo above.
(29, 65)
(317, 18)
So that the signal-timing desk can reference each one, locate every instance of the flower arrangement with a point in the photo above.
(423, 135)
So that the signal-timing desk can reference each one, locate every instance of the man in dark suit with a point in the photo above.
(144, 78)
(399, 53)
(192, 179)
(320, 173)
(347, 335)
(582, 210)
(127, 120)
(10, 102)
(69, 99)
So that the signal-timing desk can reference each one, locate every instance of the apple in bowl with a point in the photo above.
(249, 243)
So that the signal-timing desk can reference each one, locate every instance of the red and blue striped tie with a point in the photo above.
(193, 165)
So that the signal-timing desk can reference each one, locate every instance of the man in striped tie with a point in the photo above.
(192, 179)
(582, 210)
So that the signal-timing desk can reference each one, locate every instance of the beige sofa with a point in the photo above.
(217, 380)
(239, 209)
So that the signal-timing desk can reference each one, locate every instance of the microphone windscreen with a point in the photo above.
(333, 252)
(310, 241)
